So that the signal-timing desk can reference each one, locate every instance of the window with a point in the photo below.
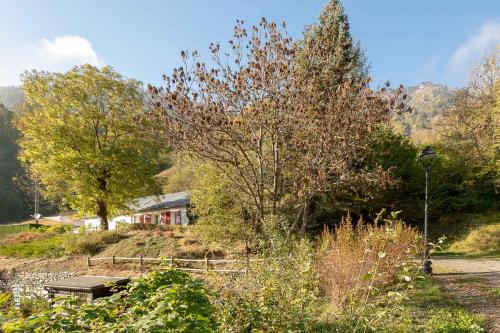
(145, 218)
(165, 218)
(178, 217)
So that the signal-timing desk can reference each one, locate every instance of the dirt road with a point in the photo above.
(475, 283)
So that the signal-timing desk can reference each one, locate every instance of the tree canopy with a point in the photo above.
(87, 139)
(275, 130)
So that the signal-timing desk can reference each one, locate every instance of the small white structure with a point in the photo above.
(162, 209)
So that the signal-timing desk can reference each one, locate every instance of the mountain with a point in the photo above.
(428, 101)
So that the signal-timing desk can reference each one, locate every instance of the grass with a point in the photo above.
(435, 311)
(484, 240)
(10, 229)
(29, 241)
(474, 235)
(155, 243)
(52, 245)
(494, 291)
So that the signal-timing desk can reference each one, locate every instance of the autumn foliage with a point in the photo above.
(262, 117)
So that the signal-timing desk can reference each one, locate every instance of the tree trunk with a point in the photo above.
(309, 208)
(102, 212)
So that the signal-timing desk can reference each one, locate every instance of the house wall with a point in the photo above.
(93, 224)
(119, 219)
(156, 215)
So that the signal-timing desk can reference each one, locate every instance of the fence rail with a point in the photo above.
(177, 263)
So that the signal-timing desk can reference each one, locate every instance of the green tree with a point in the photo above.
(328, 52)
(11, 200)
(87, 139)
(470, 128)
(220, 210)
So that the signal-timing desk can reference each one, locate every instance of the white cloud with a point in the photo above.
(55, 55)
(68, 49)
(475, 47)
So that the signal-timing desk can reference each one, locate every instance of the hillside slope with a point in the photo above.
(428, 102)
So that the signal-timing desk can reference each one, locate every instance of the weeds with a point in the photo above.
(454, 321)
(354, 261)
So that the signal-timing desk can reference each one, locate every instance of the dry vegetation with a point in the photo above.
(353, 259)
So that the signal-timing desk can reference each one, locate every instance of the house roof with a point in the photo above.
(162, 201)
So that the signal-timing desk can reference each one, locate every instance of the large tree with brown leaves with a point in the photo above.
(258, 117)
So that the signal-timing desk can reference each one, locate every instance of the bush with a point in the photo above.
(92, 242)
(59, 229)
(126, 227)
(32, 305)
(356, 259)
(279, 293)
(163, 301)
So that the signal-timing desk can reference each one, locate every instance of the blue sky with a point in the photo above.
(406, 41)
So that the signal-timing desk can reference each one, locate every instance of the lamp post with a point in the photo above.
(37, 214)
(426, 158)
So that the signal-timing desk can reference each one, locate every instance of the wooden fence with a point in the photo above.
(179, 263)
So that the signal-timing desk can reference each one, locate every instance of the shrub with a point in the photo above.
(92, 242)
(163, 301)
(126, 227)
(5, 301)
(32, 305)
(356, 259)
(59, 228)
(279, 293)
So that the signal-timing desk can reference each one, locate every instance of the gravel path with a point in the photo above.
(474, 283)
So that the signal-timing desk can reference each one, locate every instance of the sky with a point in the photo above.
(406, 41)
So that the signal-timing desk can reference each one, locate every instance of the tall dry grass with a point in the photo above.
(355, 260)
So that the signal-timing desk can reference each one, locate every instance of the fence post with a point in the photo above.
(113, 260)
(140, 260)
(171, 261)
(206, 263)
(88, 261)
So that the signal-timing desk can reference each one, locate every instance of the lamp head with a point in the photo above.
(427, 156)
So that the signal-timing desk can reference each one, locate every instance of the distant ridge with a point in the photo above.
(428, 101)
(11, 97)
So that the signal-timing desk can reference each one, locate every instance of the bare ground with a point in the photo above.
(474, 283)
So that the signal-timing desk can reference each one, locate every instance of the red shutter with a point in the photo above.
(165, 218)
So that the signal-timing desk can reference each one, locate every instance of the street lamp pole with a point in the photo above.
(427, 160)
(37, 214)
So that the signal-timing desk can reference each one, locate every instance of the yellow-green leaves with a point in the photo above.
(84, 139)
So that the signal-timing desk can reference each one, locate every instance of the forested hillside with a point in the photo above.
(12, 206)
(428, 101)
(11, 97)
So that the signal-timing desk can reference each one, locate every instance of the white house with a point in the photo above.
(155, 209)
(161, 209)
